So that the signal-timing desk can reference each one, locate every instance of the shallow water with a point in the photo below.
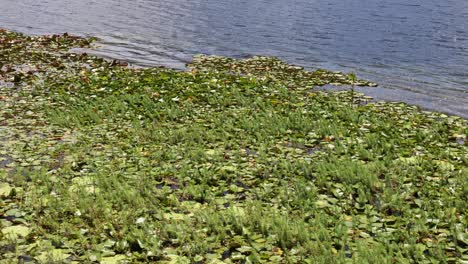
(417, 50)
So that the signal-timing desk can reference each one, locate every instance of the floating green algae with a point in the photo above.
(234, 161)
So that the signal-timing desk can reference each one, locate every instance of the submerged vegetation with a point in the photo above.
(233, 161)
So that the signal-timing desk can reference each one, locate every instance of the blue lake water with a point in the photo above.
(416, 50)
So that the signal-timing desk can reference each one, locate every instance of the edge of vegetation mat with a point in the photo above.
(233, 161)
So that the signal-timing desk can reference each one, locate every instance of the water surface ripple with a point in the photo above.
(417, 50)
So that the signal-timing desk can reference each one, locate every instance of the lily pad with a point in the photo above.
(117, 259)
(55, 255)
(5, 190)
(16, 231)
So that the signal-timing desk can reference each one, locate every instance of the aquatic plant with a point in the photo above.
(233, 161)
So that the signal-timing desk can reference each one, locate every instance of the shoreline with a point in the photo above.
(386, 91)
(234, 161)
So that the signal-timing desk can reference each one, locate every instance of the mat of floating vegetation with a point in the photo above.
(271, 69)
(235, 161)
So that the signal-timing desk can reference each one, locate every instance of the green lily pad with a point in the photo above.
(117, 259)
(55, 255)
(229, 168)
(5, 190)
(14, 232)
(176, 259)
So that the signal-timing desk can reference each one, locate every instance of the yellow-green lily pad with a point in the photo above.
(55, 255)
(5, 189)
(14, 232)
(114, 259)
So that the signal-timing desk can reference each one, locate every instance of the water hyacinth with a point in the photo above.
(232, 161)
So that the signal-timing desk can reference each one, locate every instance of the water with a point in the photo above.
(417, 50)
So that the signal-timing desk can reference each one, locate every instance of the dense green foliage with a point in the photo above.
(234, 161)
